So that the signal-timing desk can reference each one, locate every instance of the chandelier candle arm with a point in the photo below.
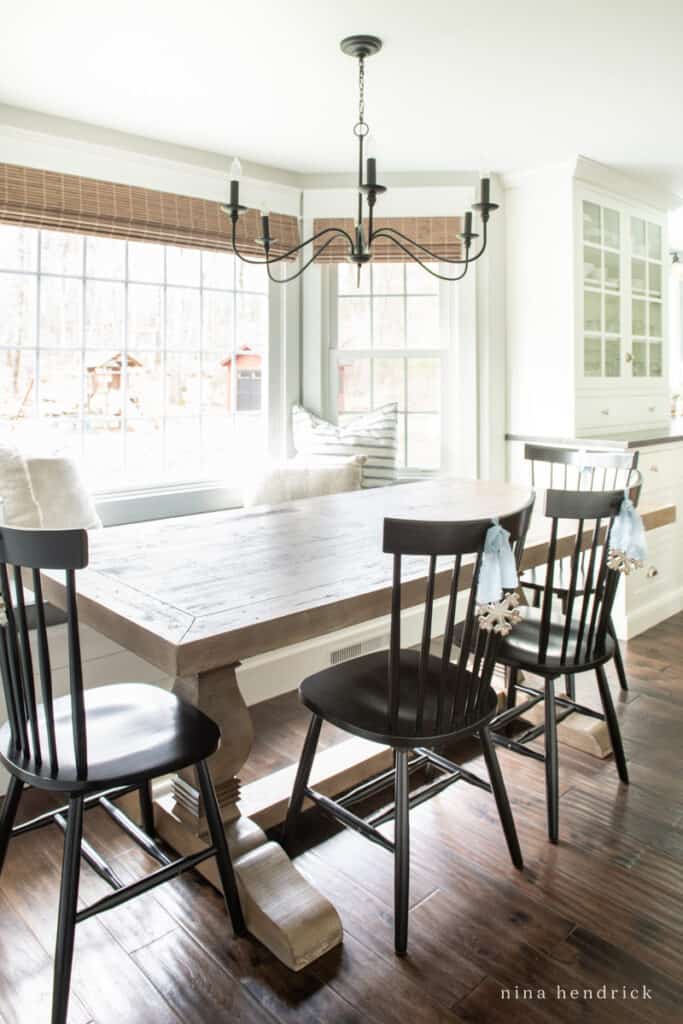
(361, 244)
(383, 233)
(290, 252)
(393, 234)
(304, 266)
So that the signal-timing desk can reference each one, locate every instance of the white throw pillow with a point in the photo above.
(64, 502)
(373, 435)
(303, 478)
(20, 507)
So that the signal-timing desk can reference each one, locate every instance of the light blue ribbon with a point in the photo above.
(628, 533)
(498, 569)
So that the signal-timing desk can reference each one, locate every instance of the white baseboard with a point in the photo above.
(645, 616)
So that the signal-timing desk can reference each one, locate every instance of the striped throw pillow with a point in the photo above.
(373, 434)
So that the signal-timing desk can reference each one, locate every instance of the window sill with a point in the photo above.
(165, 502)
(118, 508)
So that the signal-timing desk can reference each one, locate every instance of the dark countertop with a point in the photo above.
(668, 433)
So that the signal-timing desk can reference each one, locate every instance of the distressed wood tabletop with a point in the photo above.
(197, 592)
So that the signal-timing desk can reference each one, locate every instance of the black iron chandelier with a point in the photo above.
(365, 233)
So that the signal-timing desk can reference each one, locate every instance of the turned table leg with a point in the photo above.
(281, 908)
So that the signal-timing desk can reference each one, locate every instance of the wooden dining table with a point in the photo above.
(197, 595)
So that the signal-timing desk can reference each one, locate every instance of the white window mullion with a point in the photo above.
(84, 380)
(36, 396)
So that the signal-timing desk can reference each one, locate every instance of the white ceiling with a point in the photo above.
(495, 84)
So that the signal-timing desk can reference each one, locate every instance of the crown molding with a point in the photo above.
(593, 173)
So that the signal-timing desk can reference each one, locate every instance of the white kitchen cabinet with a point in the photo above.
(586, 302)
(655, 592)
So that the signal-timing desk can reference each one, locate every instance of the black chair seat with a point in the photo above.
(520, 648)
(135, 732)
(354, 696)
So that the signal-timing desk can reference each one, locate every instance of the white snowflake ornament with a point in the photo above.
(500, 617)
(621, 562)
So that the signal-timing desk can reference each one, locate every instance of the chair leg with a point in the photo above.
(302, 776)
(510, 686)
(401, 853)
(551, 762)
(10, 806)
(223, 859)
(612, 723)
(618, 660)
(68, 899)
(502, 802)
(147, 808)
(570, 681)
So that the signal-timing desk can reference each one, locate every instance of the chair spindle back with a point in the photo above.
(587, 602)
(580, 470)
(462, 687)
(24, 553)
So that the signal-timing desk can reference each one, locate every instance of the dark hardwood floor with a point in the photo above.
(599, 912)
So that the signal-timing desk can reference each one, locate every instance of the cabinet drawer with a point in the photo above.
(661, 467)
(662, 568)
(606, 411)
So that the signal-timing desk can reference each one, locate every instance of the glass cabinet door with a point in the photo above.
(602, 291)
(646, 307)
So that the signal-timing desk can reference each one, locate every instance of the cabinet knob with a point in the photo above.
(651, 408)
(604, 412)
(628, 357)
(652, 572)
(654, 469)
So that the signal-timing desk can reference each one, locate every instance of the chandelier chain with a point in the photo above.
(361, 90)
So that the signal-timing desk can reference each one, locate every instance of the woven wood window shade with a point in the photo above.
(437, 233)
(67, 202)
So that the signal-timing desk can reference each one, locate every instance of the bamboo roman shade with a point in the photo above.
(68, 202)
(437, 233)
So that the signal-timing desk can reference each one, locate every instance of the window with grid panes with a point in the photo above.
(390, 347)
(144, 361)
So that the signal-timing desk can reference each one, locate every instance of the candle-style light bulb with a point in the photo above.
(235, 175)
(265, 226)
(370, 161)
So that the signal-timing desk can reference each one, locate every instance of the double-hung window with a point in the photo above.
(148, 363)
(389, 343)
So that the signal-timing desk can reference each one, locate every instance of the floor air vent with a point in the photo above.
(374, 643)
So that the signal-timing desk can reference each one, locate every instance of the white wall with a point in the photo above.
(538, 302)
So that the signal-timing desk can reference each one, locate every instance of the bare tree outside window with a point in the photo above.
(143, 361)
